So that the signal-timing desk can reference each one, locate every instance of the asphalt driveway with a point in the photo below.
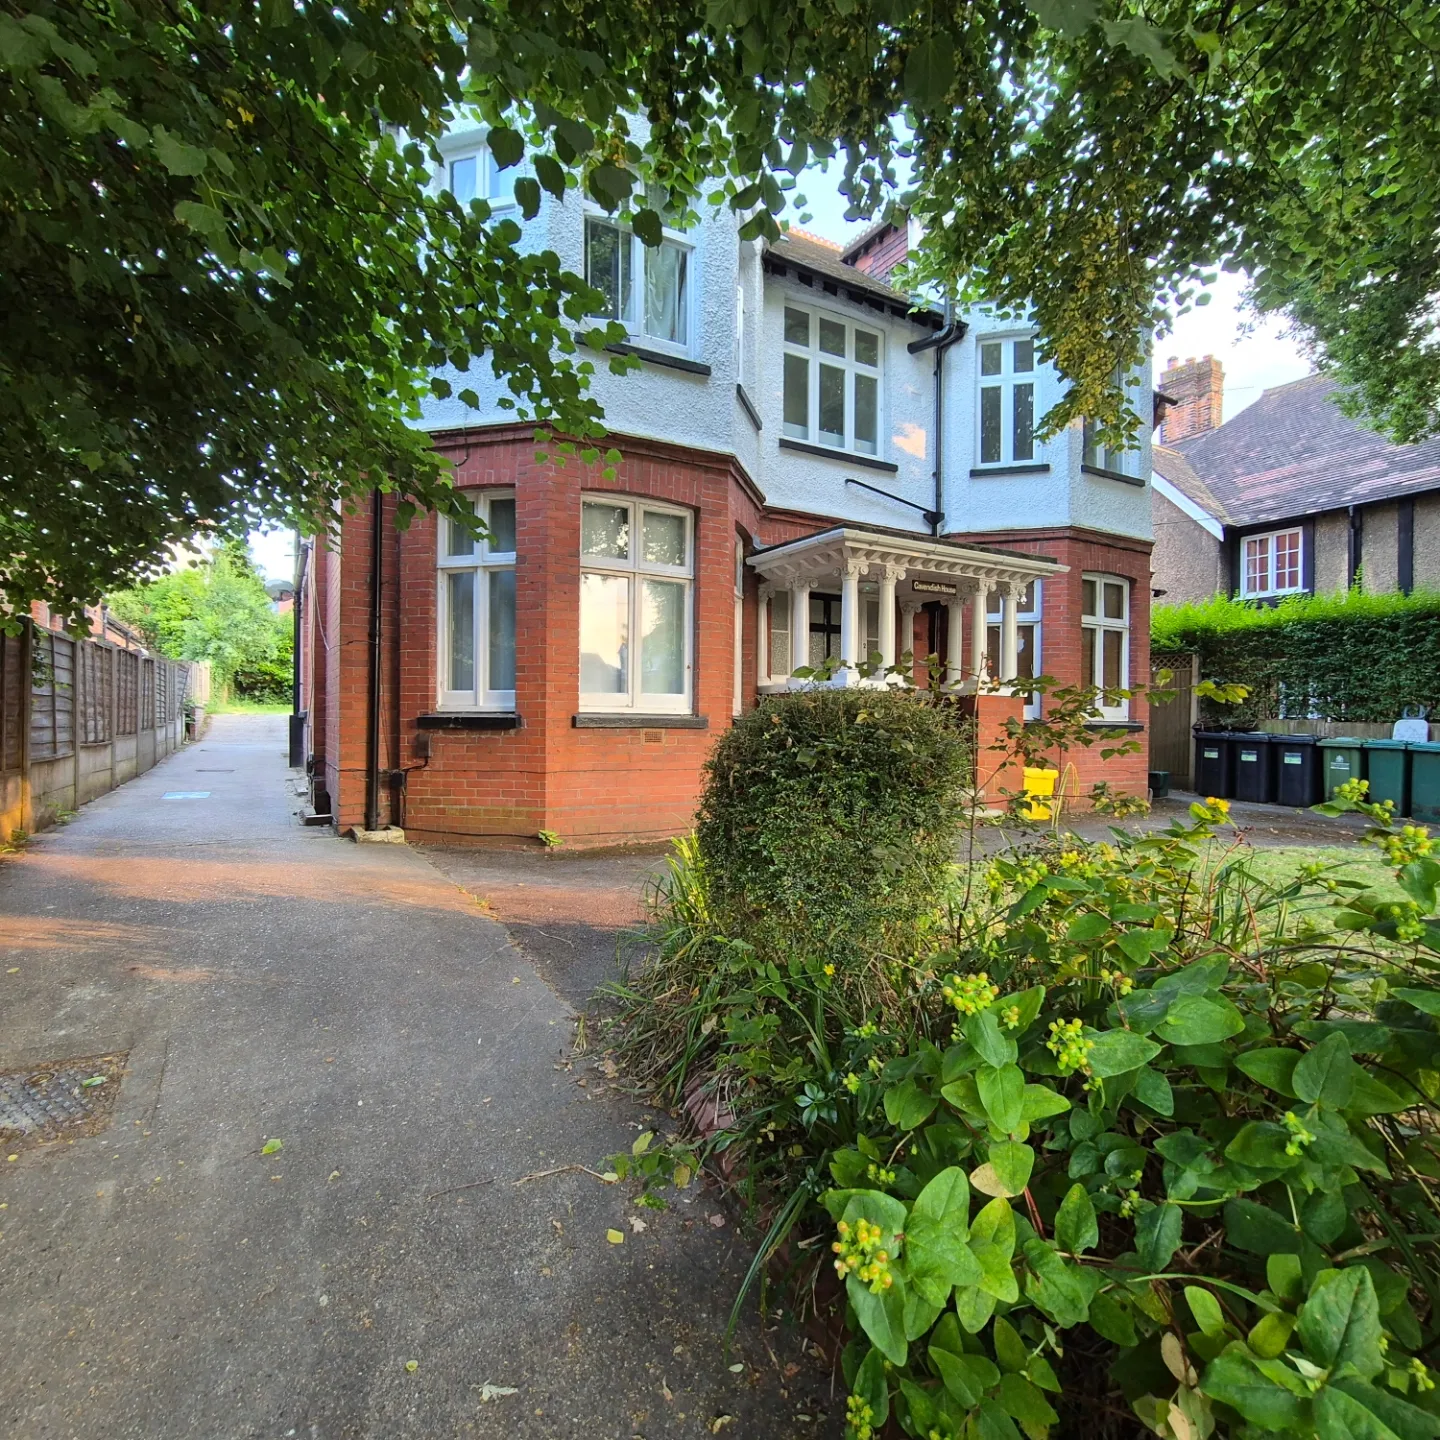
(421, 1256)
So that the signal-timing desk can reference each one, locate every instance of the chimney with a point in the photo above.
(1197, 388)
(880, 250)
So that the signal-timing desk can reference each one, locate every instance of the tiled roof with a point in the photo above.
(821, 258)
(1294, 453)
(1175, 468)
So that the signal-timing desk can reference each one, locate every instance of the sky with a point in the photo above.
(1255, 354)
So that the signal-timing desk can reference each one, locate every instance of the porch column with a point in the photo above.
(1010, 633)
(799, 625)
(850, 614)
(891, 575)
(908, 611)
(954, 640)
(762, 635)
(979, 603)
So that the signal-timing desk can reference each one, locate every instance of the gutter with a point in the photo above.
(940, 342)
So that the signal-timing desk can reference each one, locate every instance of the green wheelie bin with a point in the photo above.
(1425, 780)
(1344, 760)
(1387, 767)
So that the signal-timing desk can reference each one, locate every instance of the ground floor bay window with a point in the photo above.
(1027, 639)
(1105, 641)
(636, 607)
(476, 609)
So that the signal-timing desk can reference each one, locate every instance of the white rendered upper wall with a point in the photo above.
(731, 349)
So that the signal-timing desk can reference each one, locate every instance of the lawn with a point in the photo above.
(241, 706)
(1280, 863)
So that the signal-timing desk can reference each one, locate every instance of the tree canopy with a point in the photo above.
(227, 279)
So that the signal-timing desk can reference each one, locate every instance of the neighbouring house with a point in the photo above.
(1290, 497)
(814, 468)
(282, 596)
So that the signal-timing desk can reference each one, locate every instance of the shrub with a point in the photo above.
(830, 818)
(1348, 656)
(1149, 1136)
(266, 682)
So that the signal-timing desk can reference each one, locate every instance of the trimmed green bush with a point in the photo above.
(1348, 656)
(830, 820)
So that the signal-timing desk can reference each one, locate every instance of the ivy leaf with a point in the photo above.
(1157, 1236)
(1002, 1093)
(1200, 1020)
(1326, 1073)
(506, 145)
(930, 70)
(907, 1106)
(1076, 1228)
(1340, 1322)
(1118, 1051)
(176, 156)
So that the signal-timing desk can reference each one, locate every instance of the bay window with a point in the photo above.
(636, 580)
(647, 290)
(1272, 564)
(476, 609)
(1007, 401)
(779, 666)
(1028, 648)
(831, 376)
(1109, 457)
(1105, 641)
(472, 174)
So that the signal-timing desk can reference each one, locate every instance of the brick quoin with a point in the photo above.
(597, 786)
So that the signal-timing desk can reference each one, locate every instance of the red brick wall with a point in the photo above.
(1088, 551)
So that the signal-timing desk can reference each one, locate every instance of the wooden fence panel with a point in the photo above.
(1172, 742)
(52, 697)
(127, 692)
(95, 692)
(13, 684)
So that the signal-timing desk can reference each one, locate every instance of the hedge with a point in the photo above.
(1347, 656)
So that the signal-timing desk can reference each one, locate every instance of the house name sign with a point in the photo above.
(933, 587)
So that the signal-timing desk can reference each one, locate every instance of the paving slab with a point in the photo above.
(168, 1278)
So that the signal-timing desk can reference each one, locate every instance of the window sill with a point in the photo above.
(1130, 726)
(748, 406)
(469, 720)
(1038, 469)
(845, 457)
(653, 357)
(1106, 474)
(625, 721)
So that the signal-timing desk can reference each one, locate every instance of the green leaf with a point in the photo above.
(1007, 1171)
(1326, 1073)
(550, 174)
(1085, 928)
(936, 1256)
(1339, 1416)
(1284, 1276)
(646, 224)
(1270, 1334)
(930, 70)
(1157, 1236)
(1002, 1092)
(1206, 1310)
(993, 1423)
(506, 145)
(1371, 1097)
(1200, 1020)
(1340, 1322)
(907, 1106)
(974, 1306)
(611, 185)
(1009, 1348)
(272, 1147)
(879, 1209)
(527, 196)
(1405, 1420)
(1067, 17)
(1076, 1229)
(1261, 1145)
(176, 156)
(992, 1242)
(1040, 1102)
(1273, 1068)
(872, 1387)
(994, 1045)
(1234, 1380)
(966, 1377)
(882, 1317)
(1112, 1321)
(1117, 1051)
(1426, 1000)
(204, 218)
(1153, 1089)
(1258, 1229)
(1025, 1403)
(1060, 1289)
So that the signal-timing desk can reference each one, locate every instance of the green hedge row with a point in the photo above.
(1348, 656)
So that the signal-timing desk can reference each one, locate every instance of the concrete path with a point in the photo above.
(166, 1279)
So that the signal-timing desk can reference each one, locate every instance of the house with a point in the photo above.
(1290, 497)
(813, 468)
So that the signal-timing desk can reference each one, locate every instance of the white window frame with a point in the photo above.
(1006, 381)
(1100, 456)
(636, 570)
(847, 364)
(634, 320)
(1268, 539)
(1093, 629)
(481, 562)
(490, 188)
(994, 621)
(773, 672)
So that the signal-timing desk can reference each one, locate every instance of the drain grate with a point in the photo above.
(64, 1098)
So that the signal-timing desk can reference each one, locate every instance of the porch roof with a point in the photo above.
(830, 552)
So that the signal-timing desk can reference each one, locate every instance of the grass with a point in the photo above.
(241, 706)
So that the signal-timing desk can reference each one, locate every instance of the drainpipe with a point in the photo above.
(372, 737)
(297, 724)
(1355, 544)
(940, 342)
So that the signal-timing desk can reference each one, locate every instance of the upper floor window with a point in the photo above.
(832, 381)
(647, 290)
(1007, 401)
(477, 609)
(1272, 564)
(474, 175)
(1105, 641)
(636, 603)
(1109, 457)
(1028, 649)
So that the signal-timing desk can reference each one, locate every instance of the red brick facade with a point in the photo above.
(591, 786)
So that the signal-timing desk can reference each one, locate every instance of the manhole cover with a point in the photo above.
(64, 1098)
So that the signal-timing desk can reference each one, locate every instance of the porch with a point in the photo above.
(882, 581)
